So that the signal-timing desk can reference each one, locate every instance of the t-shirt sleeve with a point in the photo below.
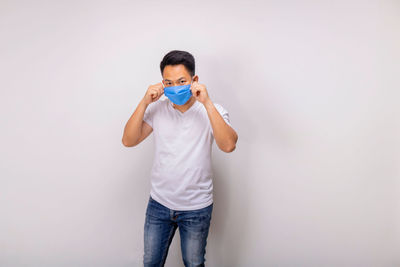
(149, 114)
(224, 113)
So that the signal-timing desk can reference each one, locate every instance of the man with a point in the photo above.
(185, 125)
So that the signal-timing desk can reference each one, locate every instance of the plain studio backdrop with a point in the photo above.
(312, 89)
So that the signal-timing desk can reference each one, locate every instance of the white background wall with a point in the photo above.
(312, 88)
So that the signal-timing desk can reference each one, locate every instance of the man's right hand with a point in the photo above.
(153, 93)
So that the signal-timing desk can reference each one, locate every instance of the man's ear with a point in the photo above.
(196, 78)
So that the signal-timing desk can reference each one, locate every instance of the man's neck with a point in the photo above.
(186, 106)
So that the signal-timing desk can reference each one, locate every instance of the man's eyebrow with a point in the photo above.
(177, 80)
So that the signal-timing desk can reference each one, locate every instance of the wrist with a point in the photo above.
(208, 103)
(143, 102)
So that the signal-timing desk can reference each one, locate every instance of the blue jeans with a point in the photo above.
(159, 229)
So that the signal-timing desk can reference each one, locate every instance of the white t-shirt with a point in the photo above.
(181, 175)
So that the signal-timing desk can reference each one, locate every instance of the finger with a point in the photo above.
(154, 93)
(157, 98)
(194, 92)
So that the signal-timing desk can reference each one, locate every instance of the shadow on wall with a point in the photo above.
(229, 221)
(227, 232)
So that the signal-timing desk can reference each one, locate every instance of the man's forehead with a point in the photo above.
(175, 72)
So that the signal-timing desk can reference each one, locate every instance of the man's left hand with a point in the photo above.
(199, 91)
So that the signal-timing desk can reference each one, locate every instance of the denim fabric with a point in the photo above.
(159, 229)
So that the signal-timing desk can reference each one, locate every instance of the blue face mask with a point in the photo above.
(178, 95)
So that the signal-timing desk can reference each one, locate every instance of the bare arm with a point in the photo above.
(225, 136)
(136, 130)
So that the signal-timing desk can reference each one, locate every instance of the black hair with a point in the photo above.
(176, 57)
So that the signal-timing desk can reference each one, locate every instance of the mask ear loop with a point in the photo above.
(191, 83)
(163, 95)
